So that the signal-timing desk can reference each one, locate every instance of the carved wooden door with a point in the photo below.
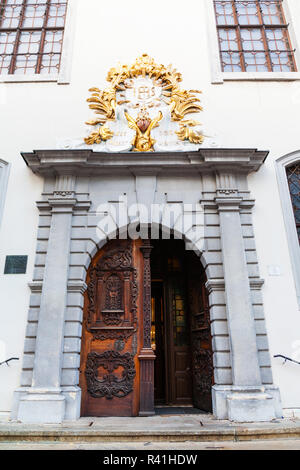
(178, 343)
(201, 346)
(111, 341)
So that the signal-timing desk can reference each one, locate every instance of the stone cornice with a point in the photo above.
(87, 162)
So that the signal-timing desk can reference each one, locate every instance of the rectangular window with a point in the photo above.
(253, 36)
(31, 36)
(15, 265)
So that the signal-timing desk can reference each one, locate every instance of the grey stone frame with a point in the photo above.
(67, 242)
(281, 165)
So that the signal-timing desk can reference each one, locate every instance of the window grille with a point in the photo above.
(31, 36)
(253, 36)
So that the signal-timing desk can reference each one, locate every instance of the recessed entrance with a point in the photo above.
(180, 330)
(116, 324)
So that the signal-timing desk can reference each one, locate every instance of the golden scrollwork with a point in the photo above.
(181, 102)
(96, 137)
(186, 133)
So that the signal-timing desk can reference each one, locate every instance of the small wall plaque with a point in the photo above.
(15, 264)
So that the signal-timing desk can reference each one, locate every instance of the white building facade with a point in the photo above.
(56, 190)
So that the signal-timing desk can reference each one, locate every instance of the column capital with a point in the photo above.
(62, 203)
(229, 203)
(146, 249)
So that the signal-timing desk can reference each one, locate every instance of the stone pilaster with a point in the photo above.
(44, 401)
(246, 399)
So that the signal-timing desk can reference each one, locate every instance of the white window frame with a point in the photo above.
(63, 77)
(4, 173)
(288, 214)
(219, 77)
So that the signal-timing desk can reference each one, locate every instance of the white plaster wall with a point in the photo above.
(264, 115)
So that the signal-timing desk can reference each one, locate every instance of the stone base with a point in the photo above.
(18, 394)
(72, 402)
(41, 408)
(250, 407)
(246, 404)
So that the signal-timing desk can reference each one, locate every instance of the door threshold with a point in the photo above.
(177, 410)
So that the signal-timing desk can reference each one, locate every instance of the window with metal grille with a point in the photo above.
(253, 36)
(31, 36)
(293, 176)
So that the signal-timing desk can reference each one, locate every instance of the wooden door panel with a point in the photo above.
(182, 361)
(202, 360)
(183, 389)
(109, 373)
(178, 342)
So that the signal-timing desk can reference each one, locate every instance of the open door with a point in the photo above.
(201, 345)
(109, 372)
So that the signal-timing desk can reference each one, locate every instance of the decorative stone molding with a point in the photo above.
(35, 287)
(87, 162)
(77, 286)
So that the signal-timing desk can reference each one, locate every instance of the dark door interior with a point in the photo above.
(180, 327)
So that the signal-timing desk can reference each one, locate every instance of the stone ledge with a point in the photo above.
(156, 428)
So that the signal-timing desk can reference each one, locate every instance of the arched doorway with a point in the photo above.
(113, 326)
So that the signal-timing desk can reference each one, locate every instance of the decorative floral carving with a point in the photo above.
(116, 272)
(112, 317)
(110, 384)
(146, 250)
(203, 368)
(116, 259)
(91, 290)
(115, 333)
(113, 293)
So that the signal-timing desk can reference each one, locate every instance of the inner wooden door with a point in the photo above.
(170, 325)
(183, 373)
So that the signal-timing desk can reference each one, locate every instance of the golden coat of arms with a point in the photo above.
(144, 109)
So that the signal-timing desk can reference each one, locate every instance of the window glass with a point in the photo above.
(293, 176)
(253, 36)
(31, 36)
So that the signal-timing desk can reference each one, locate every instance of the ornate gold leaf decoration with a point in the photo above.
(186, 133)
(181, 102)
(102, 133)
(143, 125)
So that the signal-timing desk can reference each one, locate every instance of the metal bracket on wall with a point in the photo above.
(286, 359)
(8, 360)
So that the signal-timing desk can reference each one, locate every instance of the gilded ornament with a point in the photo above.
(102, 133)
(186, 133)
(142, 87)
(143, 125)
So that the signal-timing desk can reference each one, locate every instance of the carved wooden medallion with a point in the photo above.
(110, 384)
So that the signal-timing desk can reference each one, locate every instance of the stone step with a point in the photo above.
(100, 435)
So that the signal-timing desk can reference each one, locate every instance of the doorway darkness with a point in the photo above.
(180, 332)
